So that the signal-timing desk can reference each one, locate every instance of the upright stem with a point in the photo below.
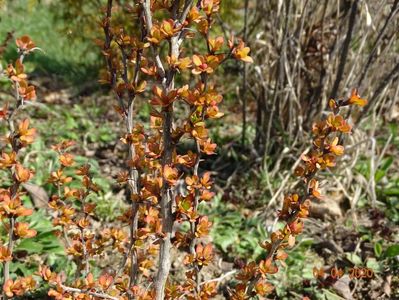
(166, 202)
(134, 175)
(133, 183)
(194, 225)
(85, 254)
(14, 188)
(166, 209)
(10, 249)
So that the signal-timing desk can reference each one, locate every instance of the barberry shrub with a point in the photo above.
(152, 61)
(13, 145)
(326, 147)
(146, 61)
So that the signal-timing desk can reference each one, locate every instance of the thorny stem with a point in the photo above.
(166, 209)
(133, 179)
(289, 219)
(82, 237)
(166, 202)
(14, 188)
(10, 250)
(277, 243)
(64, 230)
(85, 256)
(197, 269)
(134, 175)
(10, 247)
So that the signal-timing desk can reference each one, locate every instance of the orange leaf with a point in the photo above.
(22, 230)
(25, 43)
(66, 159)
(355, 99)
(22, 174)
(170, 174)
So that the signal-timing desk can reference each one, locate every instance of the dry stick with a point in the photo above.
(296, 72)
(279, 81)
(345, 50)
(282, 61)
(391, 76)
(376, 42)
(393, 103)
(372, 55)
(382, 154)
(81, 291)
(244, 80)
(358, 65)
(318, 91)
(219, 279)
(358, 54)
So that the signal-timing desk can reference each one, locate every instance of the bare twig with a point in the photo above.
(243, 93)
(81, 291)
(372, 54)
(148, 18)
(219, 279)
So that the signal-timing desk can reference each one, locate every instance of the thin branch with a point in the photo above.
(10, 248)
(81, 291)
(108, 57)
(386, 80)
(148, 19)
(228, 274)
(134, 175)
(376, 42)
(186, 10)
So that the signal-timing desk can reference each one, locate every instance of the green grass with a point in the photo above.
(62, 56)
